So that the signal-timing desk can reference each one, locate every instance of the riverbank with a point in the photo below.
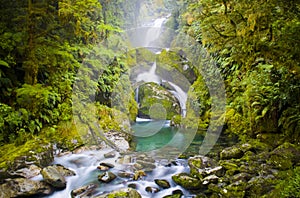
(240, 170)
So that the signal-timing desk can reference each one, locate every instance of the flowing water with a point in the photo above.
(149, 135)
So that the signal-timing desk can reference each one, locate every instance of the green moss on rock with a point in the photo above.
(151, 94)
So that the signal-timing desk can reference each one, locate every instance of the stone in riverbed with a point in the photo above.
(231, 153)
(125, 192)
(111, 154)
(53, 177)
(22, 187)
(124, 174)
(83, 191)
(106, 177)
(103, 166)
(162, 183)
(151, 189)
(187, 181)
(64, 171)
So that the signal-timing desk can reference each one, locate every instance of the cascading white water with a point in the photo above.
(153, 32)
(181, 96)
(149, 76)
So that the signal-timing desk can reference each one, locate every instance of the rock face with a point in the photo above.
(151, 94)
(125, 192)
(22, 187)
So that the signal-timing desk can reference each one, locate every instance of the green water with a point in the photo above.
(152, 135)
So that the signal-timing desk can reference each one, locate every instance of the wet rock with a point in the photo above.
(124, 160)
(22, 187)
(83, 191)
(231, 153)
(144, 165)
(111, 154)
(230, 167)
(134, 186)
(64, 171)
(237, 189)
(187, 181)
(173, 196)
(26, 172)
(138, 174)
(244, 177)
(106, 177)
(53, 177)
(201, 162)
(162, 183)
(120, 139)
(210, 179)
(105, 166)
(150, 94)
(36, 153)
(284, 156)
(151, 189)
(199, 166)
(124, 174)
(125, 192)
(260, 185)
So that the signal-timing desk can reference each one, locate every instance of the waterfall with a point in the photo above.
(181, 96)
(136, 97)
(151, 36)
(149, 76)
(154, 32)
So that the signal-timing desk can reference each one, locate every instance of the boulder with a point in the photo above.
(187, 181)
(151, 94)
(284, 156)
(210, 179)
(151, 189)
(53, 177)
(26, 172)
(106, 177)
(125, 174)
(22, 187)
(111, 154)
(83, 191)
(231, 153)
(125, 192)
(63, 170)
(162, 183)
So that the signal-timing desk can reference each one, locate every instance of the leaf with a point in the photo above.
(3, 63)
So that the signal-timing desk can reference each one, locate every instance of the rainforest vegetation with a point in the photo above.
(43, 45)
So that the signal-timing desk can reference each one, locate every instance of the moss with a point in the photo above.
(9, 152)
(187, 181)
(151, 95)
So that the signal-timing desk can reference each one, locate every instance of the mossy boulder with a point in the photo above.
(187, 181)
(231, 153)
(157, 103)
(162, 183)
(22, 187)
(34, 152)
(176, 64)
(122, 193)
(284, 156)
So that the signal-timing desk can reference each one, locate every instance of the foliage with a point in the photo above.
(255, 45)
(290, 186)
